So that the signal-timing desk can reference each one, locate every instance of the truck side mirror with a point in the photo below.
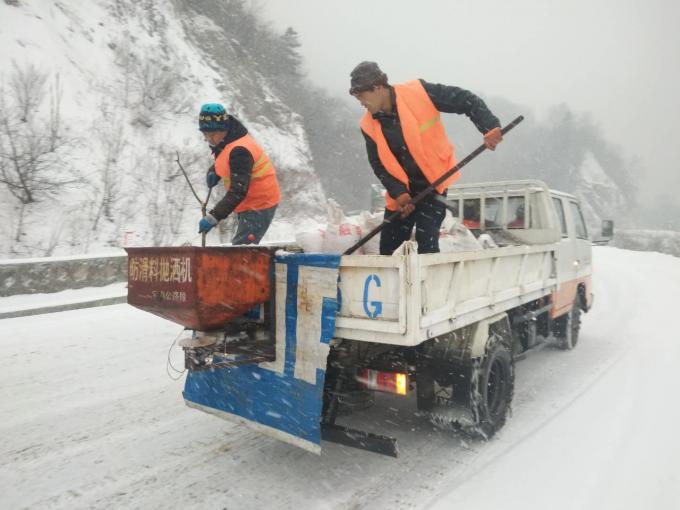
(607, 229)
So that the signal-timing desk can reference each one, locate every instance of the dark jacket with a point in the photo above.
(241, 167)
(446, 99)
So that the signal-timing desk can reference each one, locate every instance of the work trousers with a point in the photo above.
(252, 225)
(427, 219)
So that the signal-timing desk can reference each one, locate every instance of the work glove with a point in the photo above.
(493, 138)
(206, 224)
(211, 178)
(405, 205)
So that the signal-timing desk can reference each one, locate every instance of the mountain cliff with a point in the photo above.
(100, 97)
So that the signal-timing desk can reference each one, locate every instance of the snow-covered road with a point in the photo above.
(89, 418)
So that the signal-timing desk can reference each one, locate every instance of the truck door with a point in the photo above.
(566, 256)
(582, 245)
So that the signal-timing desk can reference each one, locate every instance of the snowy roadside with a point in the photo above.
(32, 304)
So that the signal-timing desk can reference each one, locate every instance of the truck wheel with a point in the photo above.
(493, 382)
(567, 327)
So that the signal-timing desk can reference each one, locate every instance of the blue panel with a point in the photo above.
(330, 307)
(279, 401)
(291, 319)
(254, 313)
(329, 260)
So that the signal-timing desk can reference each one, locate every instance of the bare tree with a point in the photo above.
(156, 91)
(19, 228)
(27, 85)
(164, 194)
(30, 148)
(124, 58)
(149, 87)
(53, 239)
(108, 184)
(31, 145)
(56, 94)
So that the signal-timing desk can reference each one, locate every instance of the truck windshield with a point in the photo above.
(471, 212)
(516, 212)
(493, 212)
(579, 224)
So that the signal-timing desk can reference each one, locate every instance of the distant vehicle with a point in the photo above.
(327, 331)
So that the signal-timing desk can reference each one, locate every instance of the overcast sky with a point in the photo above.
(619, 60)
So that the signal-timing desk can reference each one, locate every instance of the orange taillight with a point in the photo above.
(377, 380)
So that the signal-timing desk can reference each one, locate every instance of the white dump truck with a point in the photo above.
(328, 330)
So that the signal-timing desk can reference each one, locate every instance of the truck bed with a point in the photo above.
(408, 298)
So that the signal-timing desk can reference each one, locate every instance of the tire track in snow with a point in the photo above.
(616, 290)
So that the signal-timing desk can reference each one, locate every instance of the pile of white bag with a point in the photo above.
(341, 232)
(455, 236)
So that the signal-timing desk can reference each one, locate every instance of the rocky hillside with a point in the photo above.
(99, 97)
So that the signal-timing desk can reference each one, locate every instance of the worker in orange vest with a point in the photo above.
(408, 148)
(247, 172)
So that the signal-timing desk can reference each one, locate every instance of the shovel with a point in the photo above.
(204, 205)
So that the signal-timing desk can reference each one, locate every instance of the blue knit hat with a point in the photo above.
(213, 117)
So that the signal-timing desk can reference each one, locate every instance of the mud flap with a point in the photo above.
(282, 398)
(360, 439)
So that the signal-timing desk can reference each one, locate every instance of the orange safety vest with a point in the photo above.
(263, 191)
(424, 135)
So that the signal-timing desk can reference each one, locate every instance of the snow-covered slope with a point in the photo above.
(128, 78)
(90, 419)
(600, 197)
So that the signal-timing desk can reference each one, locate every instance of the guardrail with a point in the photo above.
(663, 241)
(30, 276)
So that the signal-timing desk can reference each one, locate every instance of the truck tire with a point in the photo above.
(567, 327)
(492, 387)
